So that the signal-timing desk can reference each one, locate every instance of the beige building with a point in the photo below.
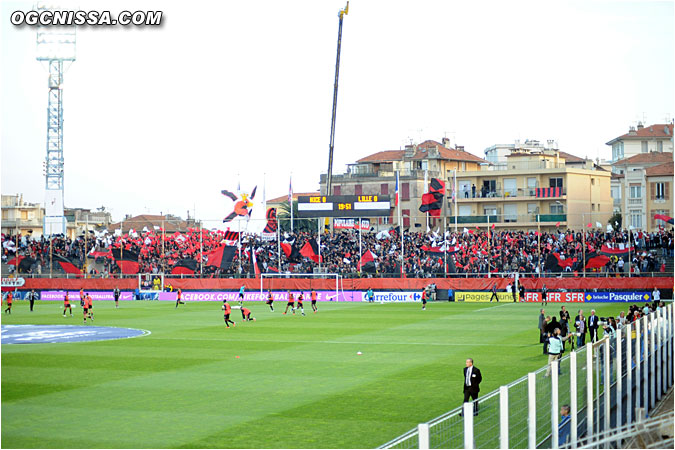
(20, 217)
(642, 186)
(376, 175)
(541, 188)
(657, 138)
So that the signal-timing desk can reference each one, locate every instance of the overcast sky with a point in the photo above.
(161, 119)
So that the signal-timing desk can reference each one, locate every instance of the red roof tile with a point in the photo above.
(445, 153)
(646, 158)
(660, 170)
(659, 130)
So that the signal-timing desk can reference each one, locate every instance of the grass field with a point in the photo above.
(298, 381)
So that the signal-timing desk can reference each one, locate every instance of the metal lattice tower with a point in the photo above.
(55, 46)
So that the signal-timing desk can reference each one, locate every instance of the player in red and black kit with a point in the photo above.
(179, 297)
(424, 299)
(9, 303)
(290, 303)
(313, 296)
(226, 314)
(270, 300)
(246, 314)
(66, 305)
(90, 306)
(85, 309)
(298, 304)
(82, 297)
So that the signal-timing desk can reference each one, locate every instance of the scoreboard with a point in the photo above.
(344, 206)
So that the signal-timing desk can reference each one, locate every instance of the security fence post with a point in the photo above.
(607, 382)
(645, 362)
(423, 435)
(638, 367)
(531, 411)
(573, 399)
(652, 361)
(589, 390)
(619, 381)
(657, 328)
(468, 425)
(503, 417)
(554, 404)
(629, 373)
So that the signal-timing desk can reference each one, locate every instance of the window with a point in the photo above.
(464, 210)
(645, 147)
(384, 189)
(592, 181)
(490, 210)
(532, 182)
(635, 191)
(617, 151)
(636, 219)
(510, 213)
(592, 206)
(555, 182)
(510, 188)
(405, 192)
(24, 215)
(384, 220)
(616, 193)
(556, 208)
(659, 146)
(532, 208)
(5, 214)
(659, 222)
(659, 191)
(358, 189)
(337, 190)
(463, 166)
(406, 217)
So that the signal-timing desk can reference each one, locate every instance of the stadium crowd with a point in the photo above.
(468, 252)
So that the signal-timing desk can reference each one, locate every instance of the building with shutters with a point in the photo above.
(535, 187)
(375, 174)
(642, 186)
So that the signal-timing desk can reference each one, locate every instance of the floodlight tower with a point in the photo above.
(55, 46)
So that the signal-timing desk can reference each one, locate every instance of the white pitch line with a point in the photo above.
(493, 307)
(347, 342)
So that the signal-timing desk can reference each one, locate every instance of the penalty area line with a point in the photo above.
(493, 307)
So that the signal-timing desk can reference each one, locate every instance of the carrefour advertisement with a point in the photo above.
(628, 297)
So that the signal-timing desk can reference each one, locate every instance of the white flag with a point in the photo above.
(610, 228)
(466, 230)
(598, 224)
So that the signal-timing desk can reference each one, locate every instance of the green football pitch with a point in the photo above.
(285, 381)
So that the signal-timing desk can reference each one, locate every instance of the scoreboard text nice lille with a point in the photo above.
(344, 206)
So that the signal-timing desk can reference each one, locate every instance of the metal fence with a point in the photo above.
(606, 384)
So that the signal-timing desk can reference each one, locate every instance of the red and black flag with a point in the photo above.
(271, 226)
(666, 219)
(596, 261)
(432, 202)
(126, 260)
(23, 264)
(66, 264)
(367, 262)
(256, 267)
(291, 252)
(231, 236)
(618, 252)
(311, 250)
(186, 266)
(222, 256)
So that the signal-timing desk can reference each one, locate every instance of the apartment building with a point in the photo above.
(657, 138)
(21, 217)
(642, 186)
(375, 174)
(535, 188)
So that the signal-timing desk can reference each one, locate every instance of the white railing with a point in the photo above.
(605, 384)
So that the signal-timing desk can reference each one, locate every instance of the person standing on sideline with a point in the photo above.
(564, 427)
(542, 326)
(593, 326)
(580, 326)
(116, 294)
(494, 293)
(521, 292)
(424, 299)
(543, 295)
(270, 300)
(472, 379)
(656, 295)
(31, 298)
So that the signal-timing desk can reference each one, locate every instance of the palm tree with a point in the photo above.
(284, 219)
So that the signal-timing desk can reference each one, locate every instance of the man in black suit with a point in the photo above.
(472, 379)
(593, 326)
(581, 328)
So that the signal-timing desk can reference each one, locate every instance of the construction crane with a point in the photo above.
(329, 175)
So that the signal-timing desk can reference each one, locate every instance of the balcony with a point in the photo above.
(634, 201)
(502, 219)
(505, 194)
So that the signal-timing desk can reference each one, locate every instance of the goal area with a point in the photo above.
(331, 282)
